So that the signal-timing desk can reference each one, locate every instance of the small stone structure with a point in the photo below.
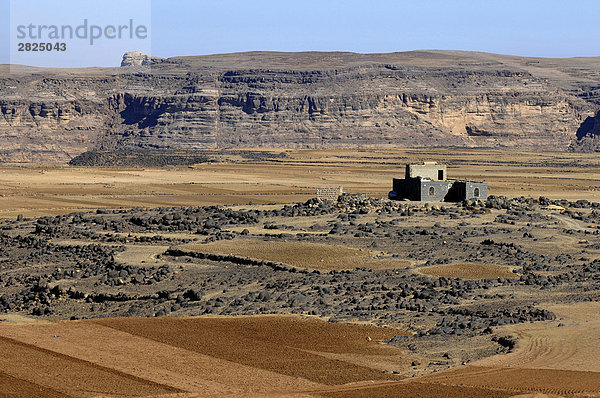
(427, 182)
(329, 193)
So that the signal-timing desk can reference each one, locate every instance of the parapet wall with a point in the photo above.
(435, 172)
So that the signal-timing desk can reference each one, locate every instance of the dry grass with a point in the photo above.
(468, 271)
(141, 256)
(35, 190)
(299, 254)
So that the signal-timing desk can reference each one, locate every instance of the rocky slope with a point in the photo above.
(302, 100)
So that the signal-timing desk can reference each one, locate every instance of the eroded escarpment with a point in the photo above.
(299, 100)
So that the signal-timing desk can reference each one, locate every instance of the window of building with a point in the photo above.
(440, 175)
(476, 192)
(431, 191)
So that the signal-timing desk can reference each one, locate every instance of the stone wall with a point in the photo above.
(329, 193)
(434, 191)
(417, 189)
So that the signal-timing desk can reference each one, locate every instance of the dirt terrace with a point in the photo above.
(265, 356)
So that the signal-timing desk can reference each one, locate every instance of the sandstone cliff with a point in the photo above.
(302, 100)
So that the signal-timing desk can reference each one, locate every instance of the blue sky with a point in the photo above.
(533, 28)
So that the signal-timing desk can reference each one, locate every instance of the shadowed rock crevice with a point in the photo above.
(588, 135)
(589, 127)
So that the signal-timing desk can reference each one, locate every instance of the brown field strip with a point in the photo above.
(267, 356)
(138, 358)
(516, 380)
(277, 344)
(73, 377)
(416, 390)
(299, 254)
(13, 387)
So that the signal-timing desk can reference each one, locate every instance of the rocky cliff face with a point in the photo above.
(303, 100)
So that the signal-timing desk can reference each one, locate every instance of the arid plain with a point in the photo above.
(42, 190)
(180, 314)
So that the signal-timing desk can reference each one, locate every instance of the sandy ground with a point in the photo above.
(573, 346)
(551, 359)
(141, 256)
(49, 190)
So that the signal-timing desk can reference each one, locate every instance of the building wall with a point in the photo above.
(434, 191)
(465, 190)
(430, 171)
(472, 187)
(417, 189)
(407, 189)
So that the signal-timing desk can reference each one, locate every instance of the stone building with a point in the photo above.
(428, 182)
